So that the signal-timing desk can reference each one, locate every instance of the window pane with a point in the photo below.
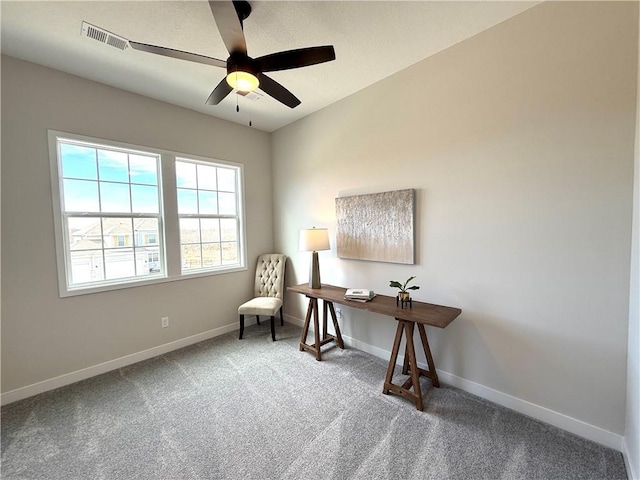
(206, 177)
(78, 162)
(227, 203)
(81, 196)
(189, 230)
(227, 179)
(229, 253)
(211, 255)
(147, 260)
(86, 266)
(186, 175)
(117, 232)
(84, 233)
(208, 202)
(143, 169)
(146, 231)
(144, 199)
(115, 197)
(228, 229)
(187, 201)
(191, 258)
(210, 228)
(119, 263)
(113, 166)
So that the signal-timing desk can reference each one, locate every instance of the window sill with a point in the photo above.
(72, 292)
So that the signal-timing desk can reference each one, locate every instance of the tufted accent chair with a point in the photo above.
(268, 291)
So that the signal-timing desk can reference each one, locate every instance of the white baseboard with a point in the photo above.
(532, 410)
(564, 422)
(73, 377)
(633, 471)
(551, 417)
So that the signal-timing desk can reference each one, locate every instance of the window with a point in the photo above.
(208, 212)
(111, 230)
(107, 195)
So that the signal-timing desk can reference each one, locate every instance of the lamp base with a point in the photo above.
(314, 271)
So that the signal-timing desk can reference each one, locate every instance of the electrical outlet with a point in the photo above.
(164, 322)
(338, 313)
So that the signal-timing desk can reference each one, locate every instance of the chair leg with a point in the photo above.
(281, 318)
(273, 328)
(258, 319)
(241, 326)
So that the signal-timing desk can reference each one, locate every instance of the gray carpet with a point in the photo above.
(254, 409)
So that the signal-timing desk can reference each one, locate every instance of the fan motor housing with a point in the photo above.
(243, 9)
(238, 62)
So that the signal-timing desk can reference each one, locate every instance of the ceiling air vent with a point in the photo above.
(103, 36)
(253, 95)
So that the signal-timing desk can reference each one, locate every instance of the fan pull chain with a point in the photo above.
(237, 106)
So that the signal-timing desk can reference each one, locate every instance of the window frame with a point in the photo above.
(169, 238)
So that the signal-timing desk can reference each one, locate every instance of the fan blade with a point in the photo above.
(226, 17)
(222, 90)
(277, 91)
(302, 57)
(170, 52)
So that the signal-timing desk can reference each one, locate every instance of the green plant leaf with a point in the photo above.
(401, 287)
(404, 287)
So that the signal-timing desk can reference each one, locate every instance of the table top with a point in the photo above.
(425, 313)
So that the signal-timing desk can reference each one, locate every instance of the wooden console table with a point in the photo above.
(421, 314)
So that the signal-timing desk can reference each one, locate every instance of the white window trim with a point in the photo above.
(169, 224)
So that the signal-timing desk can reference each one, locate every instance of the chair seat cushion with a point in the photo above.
(260, 306)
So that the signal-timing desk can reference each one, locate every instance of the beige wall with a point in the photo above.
(44, 336)
(632, 425)
(519, 142)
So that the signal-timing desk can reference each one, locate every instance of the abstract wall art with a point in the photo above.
(378, 226)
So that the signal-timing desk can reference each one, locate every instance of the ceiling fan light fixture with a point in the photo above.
(243, 81)
(245, 74)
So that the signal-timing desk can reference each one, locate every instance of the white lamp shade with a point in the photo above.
(314, 239)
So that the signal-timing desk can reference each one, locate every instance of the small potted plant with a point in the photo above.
(403, 294)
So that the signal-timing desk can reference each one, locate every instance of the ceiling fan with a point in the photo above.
(243, 72)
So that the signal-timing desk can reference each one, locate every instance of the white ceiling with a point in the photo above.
(372, 40)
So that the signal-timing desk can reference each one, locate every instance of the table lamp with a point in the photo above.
(313, 240)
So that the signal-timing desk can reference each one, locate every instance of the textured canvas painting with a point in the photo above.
(376, 226)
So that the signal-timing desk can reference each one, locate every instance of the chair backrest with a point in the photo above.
(270, 275)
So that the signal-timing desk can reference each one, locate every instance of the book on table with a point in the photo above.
(359, 294)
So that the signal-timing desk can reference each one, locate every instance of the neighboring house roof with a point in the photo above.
(115, 227)
(85, 244)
